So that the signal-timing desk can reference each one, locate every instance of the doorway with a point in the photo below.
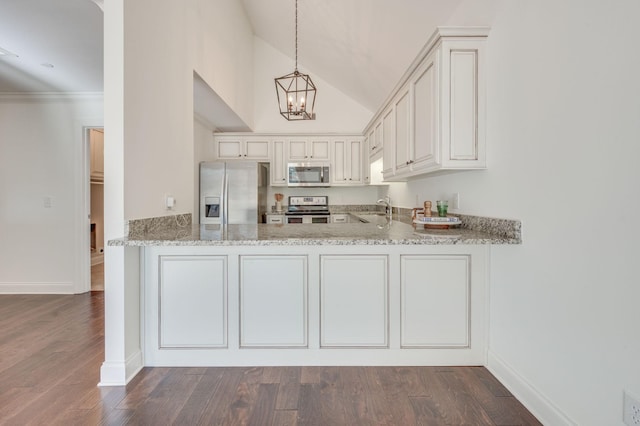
(96, 195)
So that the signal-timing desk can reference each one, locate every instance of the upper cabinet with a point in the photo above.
(242, 148)
(308, 149)
(347, 162)
(435, 118)
(278, 169)
(343, 152)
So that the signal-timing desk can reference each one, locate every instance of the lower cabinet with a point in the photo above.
(234, 305)
(273, 301)
(435, 301)
(354, 301)
(192, 301)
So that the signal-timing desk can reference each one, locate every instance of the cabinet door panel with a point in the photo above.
(435, 301)
(273, 301)
(297, 150)
(257, 150)
(230, 149)
(193, 301)
(388, 140)
(424, 115)
(278, 164)
(339, 165)
(464, 105)
(403, 151)
(354, 301)
(319, 150)
(355, 162)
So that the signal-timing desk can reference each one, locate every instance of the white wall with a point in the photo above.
(150, 55)
(41, 148)
(335, 111)
(563, 138)
(213, 38)
(223, 54)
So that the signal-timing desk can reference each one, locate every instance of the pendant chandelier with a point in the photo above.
(296, 92)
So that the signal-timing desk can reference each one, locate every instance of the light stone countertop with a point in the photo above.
(378, 232)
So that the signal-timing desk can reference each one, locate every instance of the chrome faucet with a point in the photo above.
(386, 201)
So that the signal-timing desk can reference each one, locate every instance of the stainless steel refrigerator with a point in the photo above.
(233, 192)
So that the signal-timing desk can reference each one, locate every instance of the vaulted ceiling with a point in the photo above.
(361, 47)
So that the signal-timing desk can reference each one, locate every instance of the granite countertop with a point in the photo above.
(379, 231)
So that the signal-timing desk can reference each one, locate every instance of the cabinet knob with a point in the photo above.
(239, 155)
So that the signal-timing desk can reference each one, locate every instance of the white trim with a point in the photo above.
(536, 402)
(120, 373)
(82, 208)
(49, 96)
(36, 288)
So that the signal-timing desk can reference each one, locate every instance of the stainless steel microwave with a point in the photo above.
(308, 174)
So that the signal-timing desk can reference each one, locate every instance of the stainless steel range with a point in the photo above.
(308, 210)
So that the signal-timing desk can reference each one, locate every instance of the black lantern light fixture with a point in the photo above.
(296, 92)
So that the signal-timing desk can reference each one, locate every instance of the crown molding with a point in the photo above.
(50, 96)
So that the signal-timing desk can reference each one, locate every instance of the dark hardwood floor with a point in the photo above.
(51, 349)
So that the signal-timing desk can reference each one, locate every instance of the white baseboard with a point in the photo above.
(539, 405)
(37, 288)
(121, 373)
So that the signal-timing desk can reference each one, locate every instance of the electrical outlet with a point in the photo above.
(455, 201)
(631, 416)
(169, 202)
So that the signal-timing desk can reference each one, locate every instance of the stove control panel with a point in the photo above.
(309, 201)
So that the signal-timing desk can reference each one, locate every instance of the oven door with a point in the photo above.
(294, 219)
(308, 219)
(308, 174)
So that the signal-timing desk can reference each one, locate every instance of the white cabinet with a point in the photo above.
(278, 168)
(243, 148)
(424, 109)
(346, 164)
(313, 304)
(192, 302)
(435, 304)
(273, 312)
(339, 218)
(354, 301)
(435, 120)
(379, 145)
(403, 150)
(366, 162)
(375, 140)
(305, 149)
(277, 219)
(388, 140)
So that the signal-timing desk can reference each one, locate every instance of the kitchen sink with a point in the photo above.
(375, 218)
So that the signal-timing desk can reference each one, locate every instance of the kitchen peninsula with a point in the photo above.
(378, 293)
